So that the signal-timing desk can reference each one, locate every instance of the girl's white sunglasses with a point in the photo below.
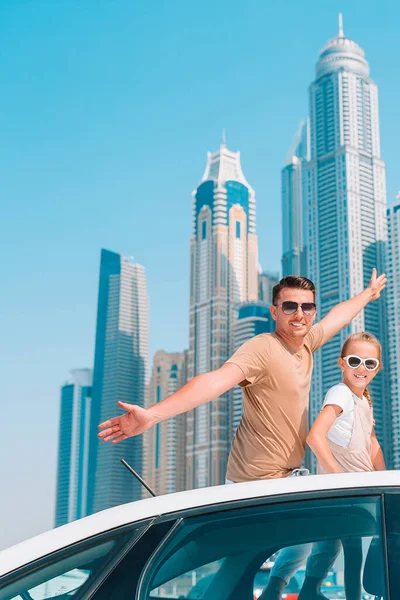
(354, 362)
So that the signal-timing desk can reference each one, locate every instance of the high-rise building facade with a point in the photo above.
(73, 447)
(165, 443)
(120, 367)
(294, 257)
(393, 317)
(223, 273)
(266, 282)
(346, 207)
(253, 319)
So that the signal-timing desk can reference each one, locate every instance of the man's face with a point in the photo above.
(298, 324)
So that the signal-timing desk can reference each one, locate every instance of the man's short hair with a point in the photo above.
(294, 282)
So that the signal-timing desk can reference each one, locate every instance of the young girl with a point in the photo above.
(343, 437)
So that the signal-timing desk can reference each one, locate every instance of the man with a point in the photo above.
(274, 371)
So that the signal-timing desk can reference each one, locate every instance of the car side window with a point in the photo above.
(68, 572)
(234, 553)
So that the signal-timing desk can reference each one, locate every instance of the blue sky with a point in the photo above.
(107, 111)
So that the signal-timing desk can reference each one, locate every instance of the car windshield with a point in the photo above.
(65, 574)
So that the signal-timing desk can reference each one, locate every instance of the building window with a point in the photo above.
(204, 230)
(238, 230)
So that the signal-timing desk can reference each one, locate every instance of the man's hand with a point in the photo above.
(135, 421)
(376, 285)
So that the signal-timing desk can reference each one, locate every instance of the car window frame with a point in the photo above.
(88, 591)
(154, 554)
(171, 523)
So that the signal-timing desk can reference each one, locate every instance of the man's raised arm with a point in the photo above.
(197, 391)
(343, 313)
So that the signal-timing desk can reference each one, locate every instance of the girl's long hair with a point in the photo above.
(363, 336)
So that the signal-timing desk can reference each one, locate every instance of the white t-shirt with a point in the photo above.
(342, 428)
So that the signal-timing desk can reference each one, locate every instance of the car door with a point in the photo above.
(217, 555)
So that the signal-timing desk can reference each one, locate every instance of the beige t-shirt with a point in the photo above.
(271, 438)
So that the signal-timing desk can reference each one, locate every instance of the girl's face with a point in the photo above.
(357, 379)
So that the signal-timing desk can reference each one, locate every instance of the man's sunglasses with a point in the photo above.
(354, 362)
(289, 307)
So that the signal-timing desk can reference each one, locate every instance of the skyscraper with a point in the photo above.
(393, 317)
(73, 447)
(223, 273)
(253, 319)
(294, 257)
(346, 206)
(120, 366)
(266, 282)
(165, 443)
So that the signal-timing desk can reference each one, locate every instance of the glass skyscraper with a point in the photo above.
(73, 447)
(165, 443)
(346, 207)
(120, 367)
(393, 317)
(294, 256)
(223, 273)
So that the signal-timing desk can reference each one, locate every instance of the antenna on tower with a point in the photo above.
(224, 137)
(341, 33)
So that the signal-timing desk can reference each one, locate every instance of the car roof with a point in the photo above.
(61, 537)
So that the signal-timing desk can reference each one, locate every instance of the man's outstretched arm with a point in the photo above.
(343, 313)
(199, 390)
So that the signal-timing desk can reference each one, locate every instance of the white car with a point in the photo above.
(212, 543)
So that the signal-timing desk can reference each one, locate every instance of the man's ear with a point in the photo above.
(273, 311)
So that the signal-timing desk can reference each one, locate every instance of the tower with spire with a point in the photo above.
(223, 273)
(345, 199)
